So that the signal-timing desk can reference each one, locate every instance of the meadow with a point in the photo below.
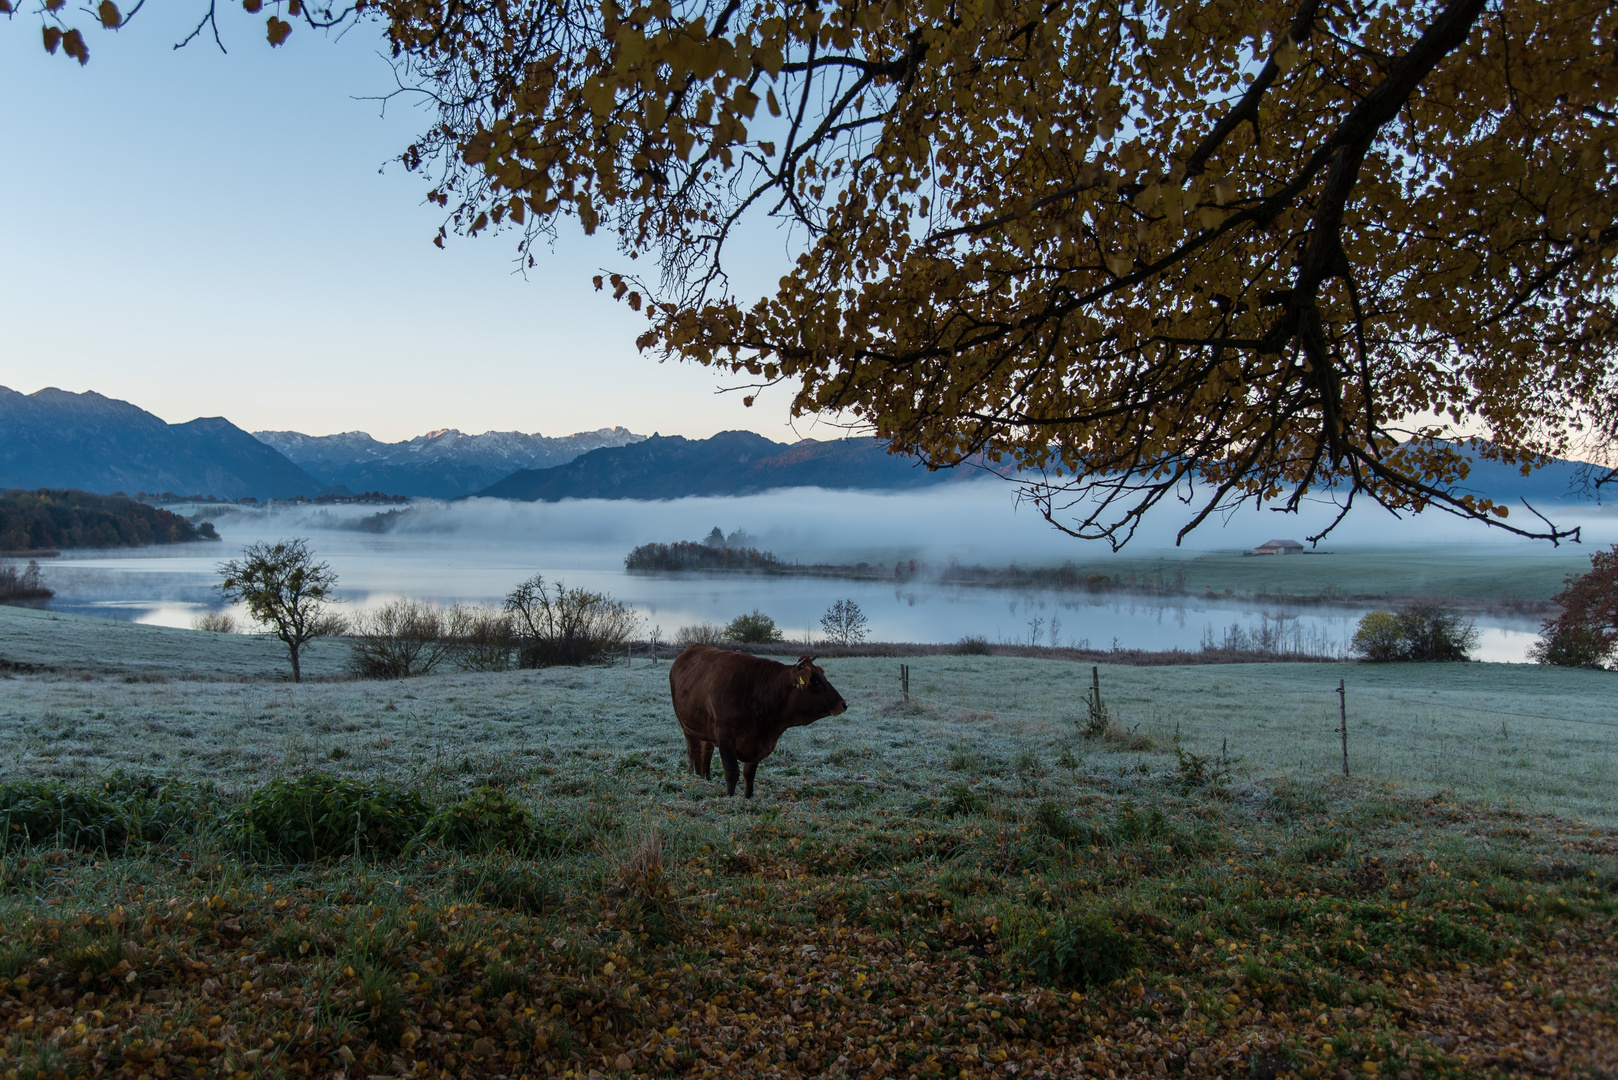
(964, 884)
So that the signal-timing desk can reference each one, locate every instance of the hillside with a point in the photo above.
(444, 464)
(46, 518)
(57, 439)
(730, 463)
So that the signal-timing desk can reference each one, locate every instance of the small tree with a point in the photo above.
(756, 628)
(1585, 634)
(1378, 638)
(844, 623)
(284, 589)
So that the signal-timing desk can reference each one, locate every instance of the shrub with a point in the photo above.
(486, 640)
(403, 638)
(1082, 951)
(317, 816)
(1434, 633)
(1566, 644)
(1378, 638)
(1422, 632)
(558, 625)
(1585, 634)
(486, 820)
(700, 634)
(844, 623)
(754, 628)
(215, 622)
(973, 645)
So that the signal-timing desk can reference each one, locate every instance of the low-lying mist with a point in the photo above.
(975, 522)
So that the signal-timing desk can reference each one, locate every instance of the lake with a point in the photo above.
(476, 551)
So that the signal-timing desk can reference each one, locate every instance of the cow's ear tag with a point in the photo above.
(802, 681)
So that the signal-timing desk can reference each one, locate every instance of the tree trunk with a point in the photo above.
(297, 676)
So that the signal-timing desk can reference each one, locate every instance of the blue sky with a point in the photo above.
(206, 234)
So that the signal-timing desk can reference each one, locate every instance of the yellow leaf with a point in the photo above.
(53, 38)
(775, 106)
(108, 12)
(277, 30)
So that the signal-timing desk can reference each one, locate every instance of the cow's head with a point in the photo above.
(814, 691)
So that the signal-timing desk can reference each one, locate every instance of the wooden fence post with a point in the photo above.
(1342, 722)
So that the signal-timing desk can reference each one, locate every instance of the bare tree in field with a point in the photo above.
(286, 590)
(844, 623)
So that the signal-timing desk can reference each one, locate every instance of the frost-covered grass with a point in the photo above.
(33, 637)
(1513, 735)
(911, 893)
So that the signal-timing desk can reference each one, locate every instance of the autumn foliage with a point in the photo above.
(1211, 252)
(1585, 634)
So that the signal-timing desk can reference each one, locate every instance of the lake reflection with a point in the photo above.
(170, 586)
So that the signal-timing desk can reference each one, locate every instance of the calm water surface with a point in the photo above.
(479, 555)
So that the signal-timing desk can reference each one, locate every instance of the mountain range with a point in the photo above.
(57, 439)
(443, 464)
(730, 463)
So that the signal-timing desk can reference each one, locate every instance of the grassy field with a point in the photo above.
(1485, 572)
(963, 885)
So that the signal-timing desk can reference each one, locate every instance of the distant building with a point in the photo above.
(1279, 547)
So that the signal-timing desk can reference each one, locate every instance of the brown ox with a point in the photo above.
(741, 704)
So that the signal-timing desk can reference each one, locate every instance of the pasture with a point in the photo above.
(964, 884)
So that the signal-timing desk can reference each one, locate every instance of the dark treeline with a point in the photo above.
(695, 555)
(56, 518)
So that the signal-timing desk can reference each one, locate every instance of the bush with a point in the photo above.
(486, 820)
(215, 622)
(1080, 951)
(705, 633)
(1585, 634)
(1420, 632)
(486, 640)
(755, 628)
(558, 625)
(1378, 638)
(403, 638)
(1569, 645)
(318, 816)
(973, 645)
(1434, 633)
(844, 623)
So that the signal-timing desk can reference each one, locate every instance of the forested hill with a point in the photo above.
(47, 518)
(730, 463)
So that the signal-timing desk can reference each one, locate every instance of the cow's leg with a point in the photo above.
(693, 754)
(707, 760)
(747, 775)
(732, 771)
